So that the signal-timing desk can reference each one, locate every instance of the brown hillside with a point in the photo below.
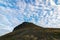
(30, 31)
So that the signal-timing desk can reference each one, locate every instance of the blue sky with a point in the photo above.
(42, 13)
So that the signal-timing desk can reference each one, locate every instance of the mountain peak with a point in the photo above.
(25, 25)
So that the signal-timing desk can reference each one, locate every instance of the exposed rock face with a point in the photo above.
(29, 31)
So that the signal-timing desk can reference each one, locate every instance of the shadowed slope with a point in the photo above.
(29, 31)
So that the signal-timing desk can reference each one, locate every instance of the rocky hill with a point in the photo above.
(30, 31)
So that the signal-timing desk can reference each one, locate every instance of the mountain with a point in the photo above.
(30, 31)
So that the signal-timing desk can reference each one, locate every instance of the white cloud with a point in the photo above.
(4, 31)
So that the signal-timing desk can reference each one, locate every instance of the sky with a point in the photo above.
(44, 13)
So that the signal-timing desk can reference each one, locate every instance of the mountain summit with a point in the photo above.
(30, 31)
(25, 25)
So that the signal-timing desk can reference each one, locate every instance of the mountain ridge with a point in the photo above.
(30, 31)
